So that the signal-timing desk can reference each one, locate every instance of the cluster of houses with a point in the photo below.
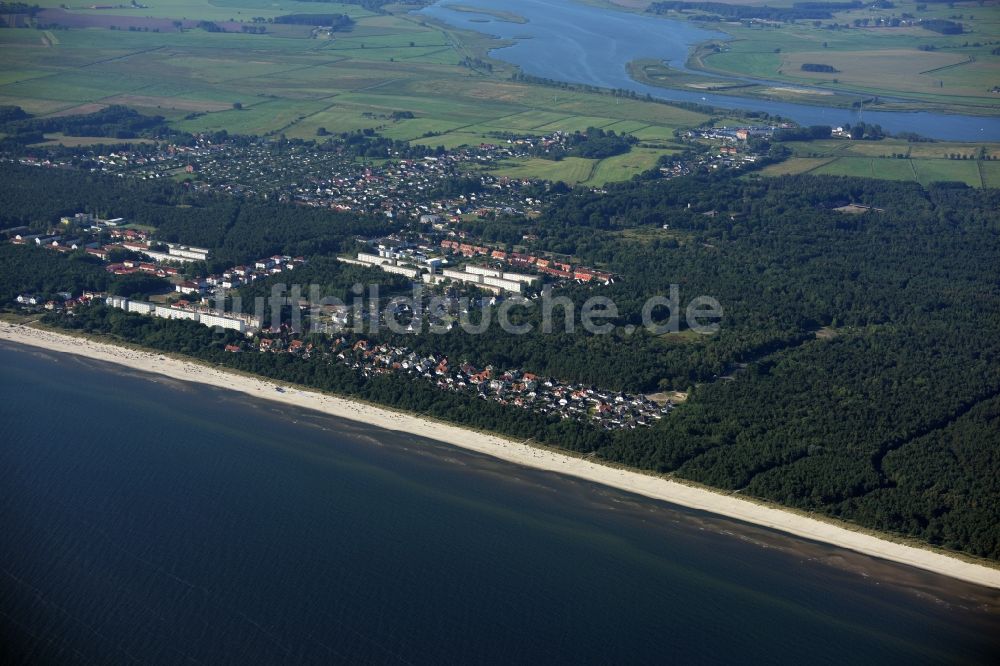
(158, 259)
(63, 301)
(200, 310)
(237, 276)
(230, 278)
(318, 176)
(132, 266)
(507, 387)
(734, 134)
(57, 242)
(400, 187)
(608, 409)
(416, 187)
(82, 230)
(99, 237)
(546, 143)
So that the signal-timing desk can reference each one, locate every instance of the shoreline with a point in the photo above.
(696, 65)
(751, 89)
(636, 482)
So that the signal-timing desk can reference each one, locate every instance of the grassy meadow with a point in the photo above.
(391, 66)
(977, 165)
(916, 67)
(294, 83)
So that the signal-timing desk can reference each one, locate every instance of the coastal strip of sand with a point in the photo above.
(648, 485)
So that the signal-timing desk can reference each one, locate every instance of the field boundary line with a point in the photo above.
(293, 69)
(430, 53)
(968, 60)
(830, 160)
(120, 57)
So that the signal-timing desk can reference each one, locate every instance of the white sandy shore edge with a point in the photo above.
(522, 454)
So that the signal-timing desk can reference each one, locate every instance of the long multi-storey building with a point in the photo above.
(245, 324)
(492, 282)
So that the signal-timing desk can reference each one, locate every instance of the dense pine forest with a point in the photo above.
(856, 371)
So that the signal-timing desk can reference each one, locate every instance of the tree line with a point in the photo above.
(116, 121)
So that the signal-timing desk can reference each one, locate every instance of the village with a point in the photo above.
(421, 256)
(129, 251)
(610, 410)
(425, 254)
(402, 182)
(399, 183)
(607, 409)
(429, 193)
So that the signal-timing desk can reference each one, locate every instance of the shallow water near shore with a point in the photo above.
(157, 520)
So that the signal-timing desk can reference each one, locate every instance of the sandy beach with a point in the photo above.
(519, 453)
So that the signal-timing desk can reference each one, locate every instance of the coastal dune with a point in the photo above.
(647, 485)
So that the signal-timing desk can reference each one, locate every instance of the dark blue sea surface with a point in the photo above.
(149, 520)
(568, 40)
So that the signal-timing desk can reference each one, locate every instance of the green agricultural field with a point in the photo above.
(626, 126)
(452, 140)
(990, 172)
(577, 170)
(389, 67)
(335, 118)
(571, 170)
(58, 139)
(944, 150)
(213, 10)
(416, 128)
(796, 165)
(257, 117)
(623, 167)
(654, 133)
(919, 67)
(966, 171)
(385, 67)
(886, 169)
(532, 120)
(891, 147)
(576, 124)
(924, 162)
(975, 173)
